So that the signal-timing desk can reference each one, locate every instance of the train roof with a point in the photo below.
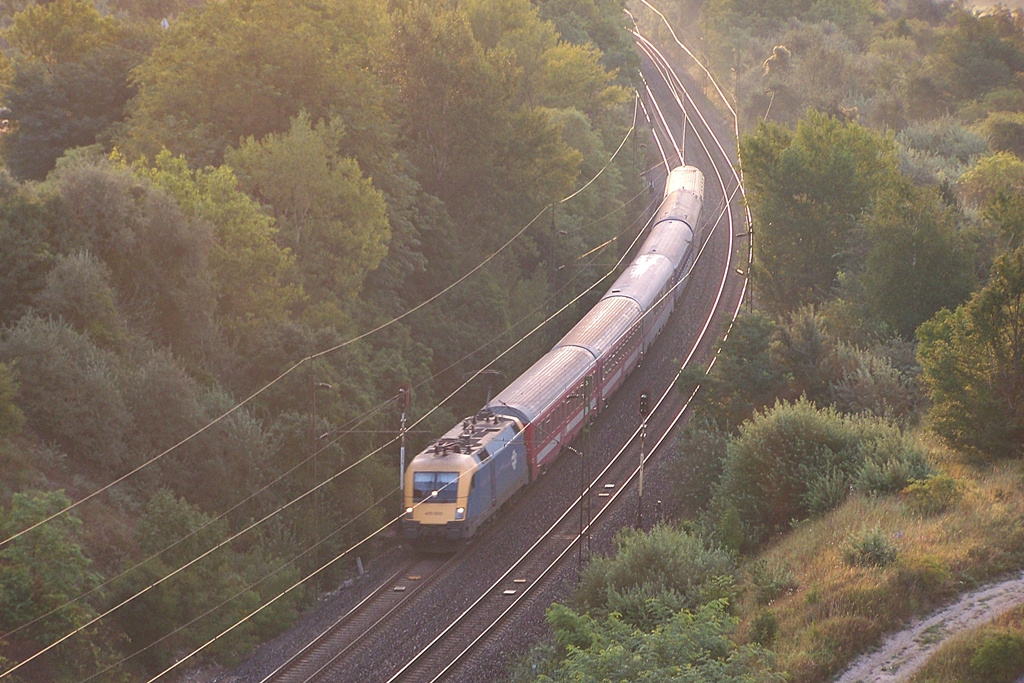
(603, 325)
(685, 178)
(669, 238)
(462, 446)
(537, 389)
(643, 280)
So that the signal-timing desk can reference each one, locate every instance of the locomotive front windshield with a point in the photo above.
(424, 484)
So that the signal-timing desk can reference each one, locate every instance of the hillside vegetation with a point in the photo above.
(203, 209)
(854, 457)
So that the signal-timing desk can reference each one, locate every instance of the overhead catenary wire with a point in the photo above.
(147, 463)
(348, 428)
(263, 389)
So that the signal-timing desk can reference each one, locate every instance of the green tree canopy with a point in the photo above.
(246, 67)
(330, 215)
(251, 274)
(807, 190)
(973, 365)
(917, 263)
(60, 31)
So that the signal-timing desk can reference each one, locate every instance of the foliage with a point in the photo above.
(932, 495)
(688, 647)
(43, 576)
(807, 189)
(696, 465)
(973, 365)
(744, 379)
(329, 214)
(11, 417)
(29, 229)
(654, 575)
(69, 390)
(1005, 132)
(251, 274)
(794, 461)
(155, 253)
(78, 291)
(60, 31)
(1000, 658)
(870, 548)
(771, 582)
(291, 56)
(917, 261)
(1000, 172)
(875, 387)
(221, 584)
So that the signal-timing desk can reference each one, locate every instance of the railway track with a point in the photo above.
(417, 634)
(320, 657)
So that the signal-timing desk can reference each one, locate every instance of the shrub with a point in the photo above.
(771, 582)
(69, 391)
(870, 549)
(1000, 658)
(876, 387)
(932, 495)
(795, 461)
(697, 465)
(890, 464)
(765, 628)
(664, 566)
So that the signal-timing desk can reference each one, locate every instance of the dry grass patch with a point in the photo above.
(832, 609)
(993, 653)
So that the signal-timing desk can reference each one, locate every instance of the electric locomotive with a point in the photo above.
(461, 479)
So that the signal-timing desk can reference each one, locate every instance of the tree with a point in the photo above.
(1000, 172)
(31, 230)
(252, 275)
(807, 190)
(11, 417)
(68, 389)
(156, 254)
(917, 262)
(247, 67)
(60, 31)
(973, 364)
(330, 215)
(744, 379)
(45, 571)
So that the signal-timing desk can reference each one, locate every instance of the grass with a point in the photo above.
(964, 657)
(834, 610)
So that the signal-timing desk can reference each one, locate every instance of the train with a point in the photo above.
(460, 480)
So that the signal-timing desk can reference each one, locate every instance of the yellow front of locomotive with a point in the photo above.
(436, 495)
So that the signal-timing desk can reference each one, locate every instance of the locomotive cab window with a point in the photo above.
(424, 484)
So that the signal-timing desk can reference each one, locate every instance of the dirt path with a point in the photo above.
(904, 652)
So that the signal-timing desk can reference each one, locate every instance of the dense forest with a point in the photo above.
(229, 232)
(853, 459)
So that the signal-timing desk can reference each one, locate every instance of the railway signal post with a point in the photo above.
(644, 402)
(403, 402)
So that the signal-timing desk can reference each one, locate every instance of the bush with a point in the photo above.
(771, 583)
(795, 461)
(69, 391)
(870, 549)
(765, 628)
(932, 495)
(665, 566)
(891, 463)
(1000, 658)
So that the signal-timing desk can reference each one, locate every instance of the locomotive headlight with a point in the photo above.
(460, 513)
